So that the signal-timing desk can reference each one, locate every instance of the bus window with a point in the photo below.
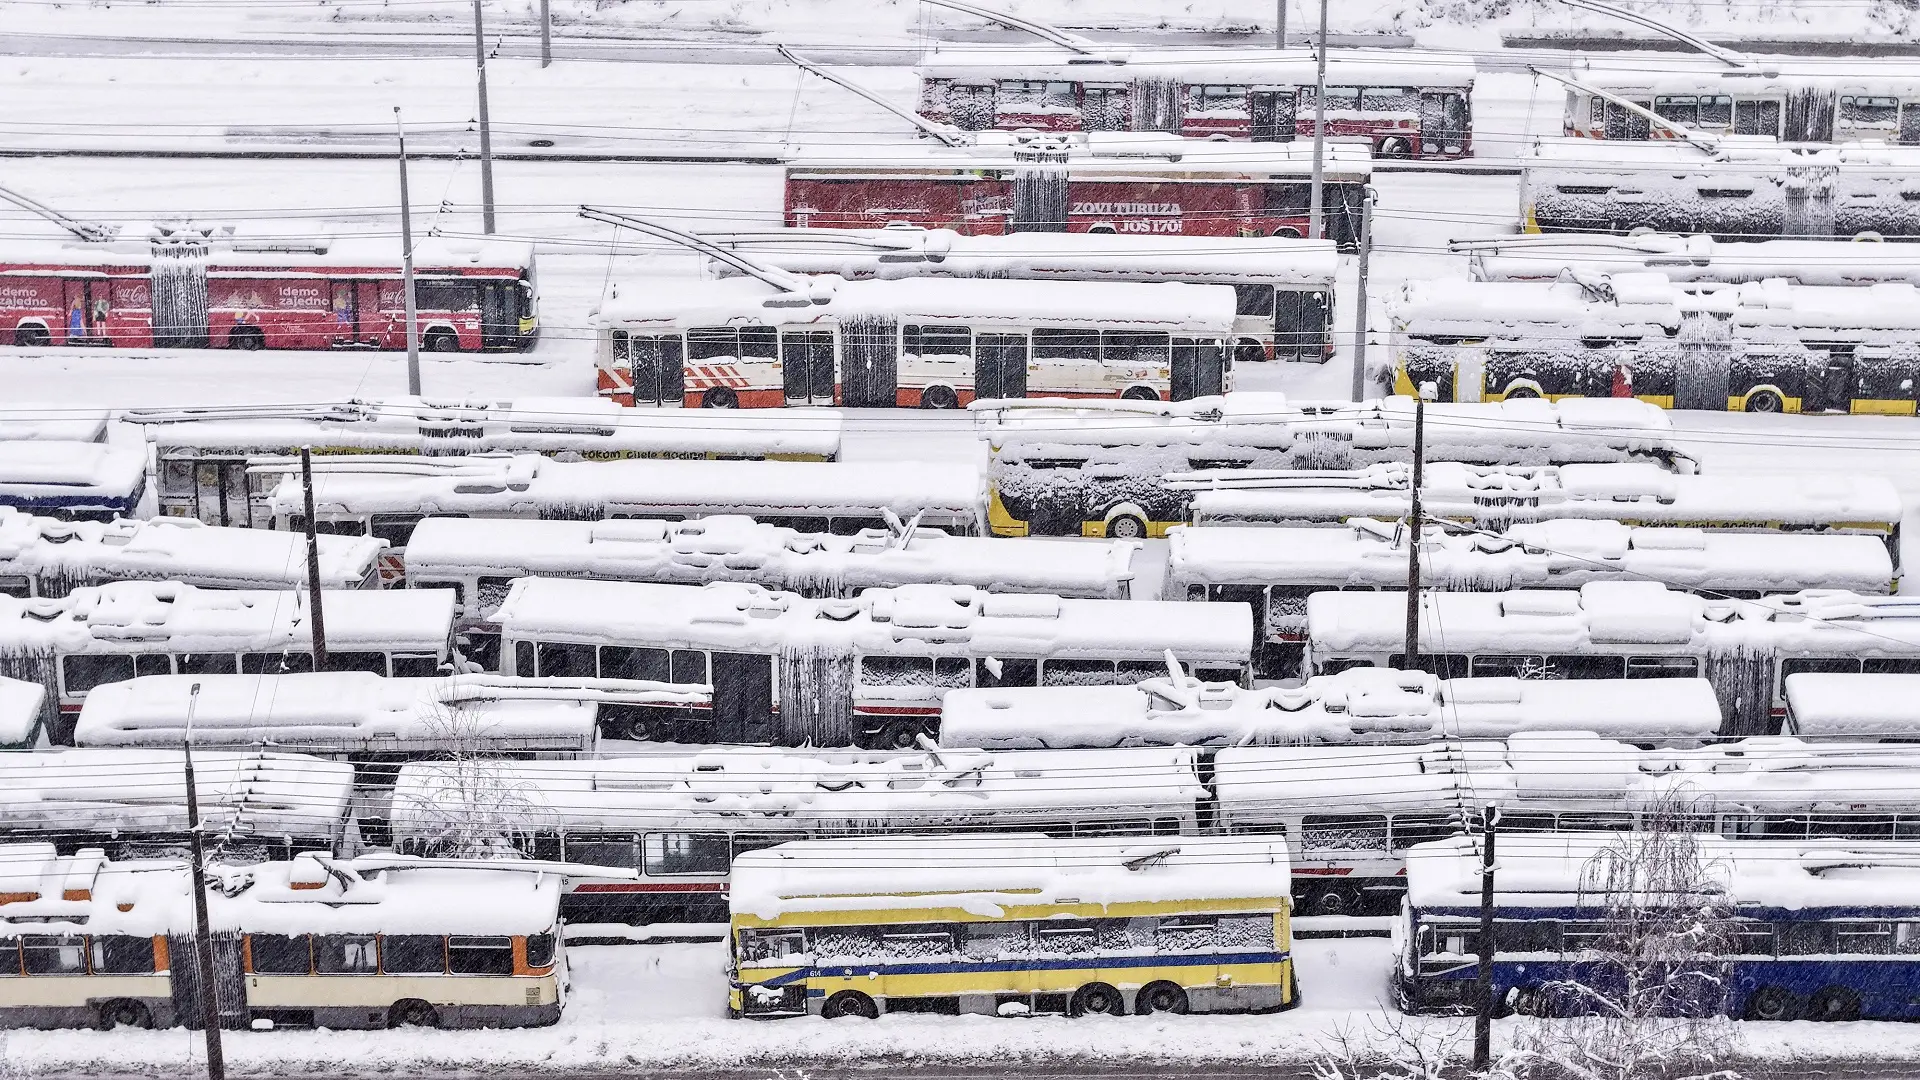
(540, 949)
(472, 955)
(523, 659)
(280, 663)
(1586, 667)
(1441, 665)
(1683, 110)
(1136, 347)
(1879, 376)
(1716, 112)
(755, 841)
(357, 661)
(1067, 939)
(445, 296)
(276, 954)
(758, 945)
(1128, 672)
(1216, 99)
(1183, 933)
(990, 671)
(567, 660)
(996, 940)
(493, 593)
(16, 586)
(627, 662)
(941, 342)
(1526, 935)
(1253, 300)
(422, 665)
(345, 954)
(1289, 200)
(951, 672)
(896, 670)
(1344, 832)
(1029, 95)
(395, 529)
(82, 672)
(1755, 117)
(51, 954)
(1752, 939)
(1411, 829)
(9, 956)
(1338, 98)
(1393, 99)
(1869, 112)
(413, 954)
(122, 954)
(1663, 667)
(1803, 938)
(1891, 665)
(686, 853)
(1513, 667)
(620, 851)
(1871, 937)
(1833, 665)
(1074, 672)
(1072, 346)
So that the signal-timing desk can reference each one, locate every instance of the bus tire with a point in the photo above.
(442, 341)
(1140, 393)
(1097, 999)
(633, 728)
(901, 734)
(412, 1013)
(1765, 401)
(1772, 1003)
(113, 1014)
(1160, 997)
(939, 397)
(1126, 527)
(720, 397)
(1333, 900)
(1833, 1003)
(1520, 393)
(1395, 148)
(246, 339)
(32, 337)
(849, 1003)
(1287, 232)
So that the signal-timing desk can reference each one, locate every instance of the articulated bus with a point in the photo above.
(315, 942)
(1005, 925)
(1766, 346)
(1792, 930)
(1799, 99)
(1681, 258)
(1404, 106)
(1125, 470)
(1283, 287)
(204, 455)
(934, 343)
(1099, 182)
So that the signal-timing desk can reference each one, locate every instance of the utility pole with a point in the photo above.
(1483, 979)
(1360, 297)
(546, 34)
(1280, 24)
(1316, 225)
(202, 932)
(486, 125)
(1413, 535)
(318, 612)
(406, 269)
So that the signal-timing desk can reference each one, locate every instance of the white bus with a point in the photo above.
(376, 942)
(871, 669)
(1276, 569)
(1500, 497)
(680, 820)
(1282, 286)
(109, 633)
(1611, 629)
(1359, 706)
(1801, 99)
(1124, 470)
(1763, 346)
(204, 454)
(933, 343)
(1698, 257)
(479, 558)
(133, 803)
(1852, 705)
(388, 498)
(49, 557)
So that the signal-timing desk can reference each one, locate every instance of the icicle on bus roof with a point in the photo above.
(125, 795)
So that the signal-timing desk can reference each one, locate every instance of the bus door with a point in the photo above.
(1443, 123)
(1300, 330)
(1831, 389)
(659, 375)
(806, 367)
(1622, 124)
(1000, 366)
(83, 315)
(499, 314)
(1273, 116)
(220, 493)
(346, 314)
(743, 698)
(1198, 369)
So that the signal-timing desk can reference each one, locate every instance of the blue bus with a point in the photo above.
(77, 481)
(1824, 929)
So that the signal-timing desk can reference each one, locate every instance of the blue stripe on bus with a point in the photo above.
(956, 968)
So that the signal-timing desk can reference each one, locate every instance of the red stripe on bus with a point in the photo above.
(1323, 871)
(647, 886)
(896, 710)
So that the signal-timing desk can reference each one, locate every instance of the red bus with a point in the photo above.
(1405, 106)
(470, 295)
(1102, 182)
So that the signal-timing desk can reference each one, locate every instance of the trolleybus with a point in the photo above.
(78, 481)
(1790, 99)
(1682, 258)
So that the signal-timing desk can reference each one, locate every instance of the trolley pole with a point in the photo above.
(1413, 534)
(1483, 979)
(546, 34)
(313, 565)
(1316, 225)
(1360, 297)
(486, 125)
(202, 932)
(406, 266)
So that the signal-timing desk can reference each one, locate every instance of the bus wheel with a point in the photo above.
(1287, 232)
(939, 397)
(1395, 148)
(1140, 393)
(1772, 1003)
(131, 1014)
(1333, 900)
(901, 735)
(247, 338)
(1126, 527)
(1160, 997)
(1834, 1003)
(1521, 393)
(633, 728)
(412, 1013)
(441, 341)
(849, 1003)
(1097, 999)
(32, 337)
(1765, 401)
(719, 398)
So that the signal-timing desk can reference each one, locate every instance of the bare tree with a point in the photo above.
(468, 805)
(1394, 1046)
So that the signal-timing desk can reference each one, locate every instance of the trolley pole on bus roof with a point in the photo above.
(486, 125)
(1360, 296)
(406, 264)
(313, 565)
(1483, 979)
(202, 932)
(1413, 533)
(1316, 225)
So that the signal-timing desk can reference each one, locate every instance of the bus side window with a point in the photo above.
(122, 954)
(686, 853)
(990, 671)
(1662, 667)
(345, 954)
(423, 665)
(473, 955)
(1835, 665)
(15, 585)
(278, 954)
(55, 954)
(395, 529)
(523, 659)
(599, 850)
(1442, 665)
(1343, 832)
(373, 662)
(82, 672)
(566, 660)
(413, 954)
(224, 663)
(9, 956)
(280, 663)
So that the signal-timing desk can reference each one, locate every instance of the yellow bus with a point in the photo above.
(1011, 925)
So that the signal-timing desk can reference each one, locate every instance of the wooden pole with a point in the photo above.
(1483, 979)
(316, 610)
(202, 932)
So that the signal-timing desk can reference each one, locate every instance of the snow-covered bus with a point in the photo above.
(375, 942)
(1850, 704)
(1554, 256)
(1361, 706)
(679, 821)
(1806, 930)
(109, 633)
(1738, 192)
(932, 343)
(1800, 99)
(1615, 629)
(1404, 106)
(1765, 346)
(49, 557)
(1276, 569)
(389, 497)
(871, 669)
(1127, 471)
(1078, 927)
(1283, 287)
(1500, 497)
(204, 454)
(77, 481)
(1101, 182)
(479, 558)
(133, 803)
